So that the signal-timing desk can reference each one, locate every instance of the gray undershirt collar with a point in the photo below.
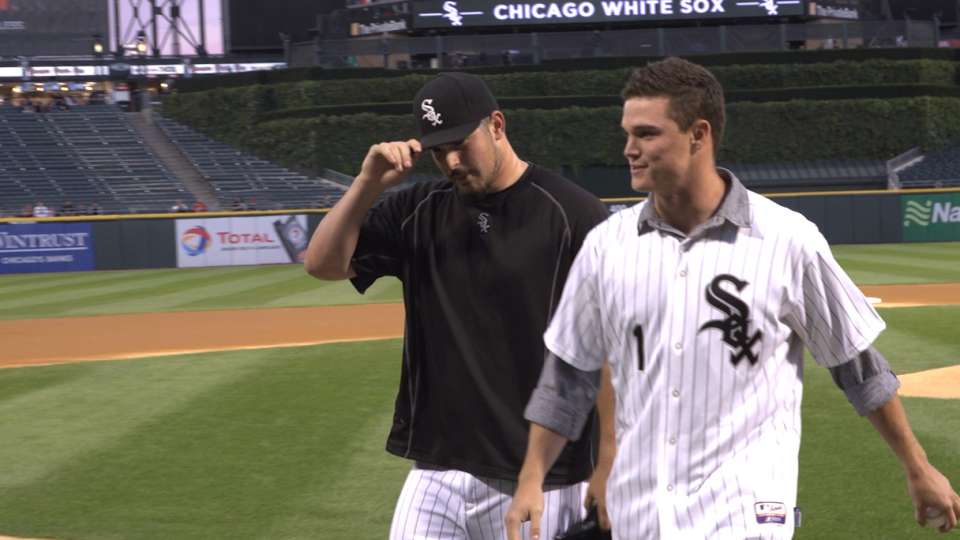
(735, 208)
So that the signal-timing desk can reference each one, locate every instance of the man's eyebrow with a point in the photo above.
(641, 127)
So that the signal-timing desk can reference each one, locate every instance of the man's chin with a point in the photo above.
(640, 183)
(465, 187)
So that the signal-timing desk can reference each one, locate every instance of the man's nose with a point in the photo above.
(452, 160)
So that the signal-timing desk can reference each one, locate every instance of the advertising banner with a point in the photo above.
(463, 13)
(241, 240)
(45, 247)
(931, 218)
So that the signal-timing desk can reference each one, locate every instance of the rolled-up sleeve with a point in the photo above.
(867, 381)
(563, 398)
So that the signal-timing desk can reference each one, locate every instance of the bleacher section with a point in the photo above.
(84, 155)
(935, 170)
(812, 176)
(235, 175)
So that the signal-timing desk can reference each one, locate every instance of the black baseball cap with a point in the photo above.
(450, 107)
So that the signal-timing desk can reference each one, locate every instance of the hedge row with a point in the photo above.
(198, 84)
(563, 102)
(304, 94)
(756, 133)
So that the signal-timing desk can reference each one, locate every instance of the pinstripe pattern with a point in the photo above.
(446, 504)
(702, 439)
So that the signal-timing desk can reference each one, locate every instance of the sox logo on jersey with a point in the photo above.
(735, 327)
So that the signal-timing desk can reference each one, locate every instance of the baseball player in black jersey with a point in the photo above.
(483, 256)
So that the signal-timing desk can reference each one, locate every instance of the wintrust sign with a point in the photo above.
(462, 13)
(46, 247)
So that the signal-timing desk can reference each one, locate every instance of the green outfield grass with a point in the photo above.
(875, 264)
(288, 443)
(100, 293)
(188, 289)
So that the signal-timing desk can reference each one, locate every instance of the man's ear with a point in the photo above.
(498, 125)
(700, 133)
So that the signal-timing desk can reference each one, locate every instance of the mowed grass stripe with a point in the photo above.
(139, 298)
(73, 291)
(866, 277)
(296, 288)
(258, 294)
(55, 415)
(231, 460)
(904, 272)
(902, 269)
(921, 338)
(330, 504)
(203, 290)
(20, 283)
(130, 286)
(921, 262)
(139, 291)
(933, 250)
(315, 292)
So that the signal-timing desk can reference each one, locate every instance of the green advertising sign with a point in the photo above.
(931, 218)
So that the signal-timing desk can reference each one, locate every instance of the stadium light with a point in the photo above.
(141, 43)
(97, 45)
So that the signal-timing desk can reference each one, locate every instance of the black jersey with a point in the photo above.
(481, 278)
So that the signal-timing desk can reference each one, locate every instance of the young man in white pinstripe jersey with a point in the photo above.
(702, 299)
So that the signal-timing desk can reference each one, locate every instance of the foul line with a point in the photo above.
(201, 350)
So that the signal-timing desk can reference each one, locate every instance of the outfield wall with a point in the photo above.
(225, 238)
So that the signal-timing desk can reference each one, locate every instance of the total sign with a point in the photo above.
(463, 13)
(931, 218)
(240, 240)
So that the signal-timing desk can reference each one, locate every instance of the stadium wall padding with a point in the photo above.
(132, 244)
(843, 218)
(851, 218)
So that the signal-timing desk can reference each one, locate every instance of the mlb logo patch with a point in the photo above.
(770, 512)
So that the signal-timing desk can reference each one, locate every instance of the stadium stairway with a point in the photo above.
(237, 176)
(170, 155)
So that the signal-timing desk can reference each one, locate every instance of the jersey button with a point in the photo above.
(683, 273)
(673, 440)
(676, 392)
(678, 345)
(669, 487)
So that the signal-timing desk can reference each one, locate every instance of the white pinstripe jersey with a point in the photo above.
(705, 339)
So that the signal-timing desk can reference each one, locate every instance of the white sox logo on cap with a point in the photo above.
(431, 115)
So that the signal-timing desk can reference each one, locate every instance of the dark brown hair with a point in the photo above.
(693, 91)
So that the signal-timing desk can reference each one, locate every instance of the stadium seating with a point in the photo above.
(84, 155)
(236, 175)
(812, 176)
(936, 169)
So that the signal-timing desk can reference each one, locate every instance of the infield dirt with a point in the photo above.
(79, 339)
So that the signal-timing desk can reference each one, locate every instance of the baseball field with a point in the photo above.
(253, 402)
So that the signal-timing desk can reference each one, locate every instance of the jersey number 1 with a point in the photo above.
(638, 333)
